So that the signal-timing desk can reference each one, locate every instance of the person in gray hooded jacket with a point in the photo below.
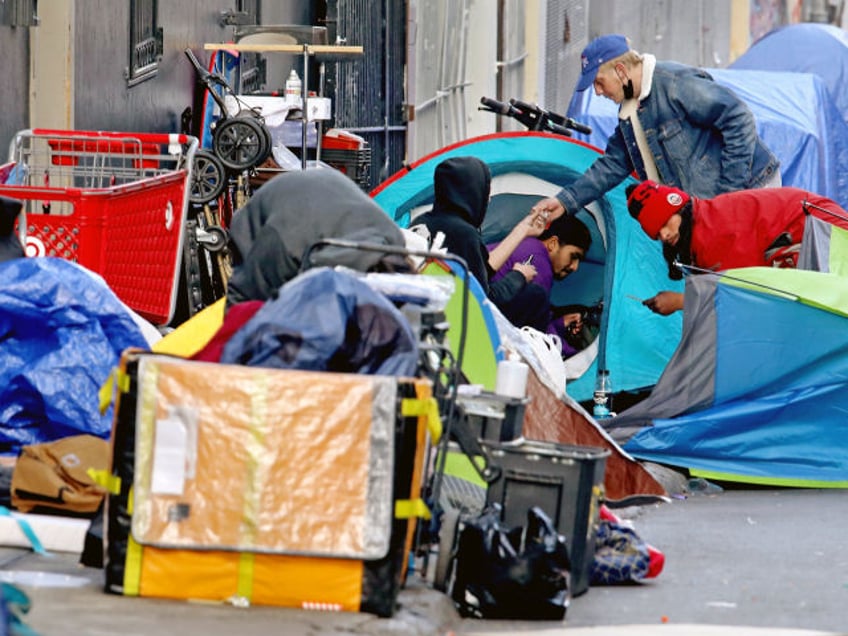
(283, 223)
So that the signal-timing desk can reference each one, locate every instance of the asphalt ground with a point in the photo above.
(740, 561)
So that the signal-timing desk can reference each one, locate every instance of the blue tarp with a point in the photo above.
(62, 331)
(807, 47)
(326, 320)
(796, 117)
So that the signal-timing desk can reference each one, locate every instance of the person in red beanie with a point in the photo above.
(746, 228)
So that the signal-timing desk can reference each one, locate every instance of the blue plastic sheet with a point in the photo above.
(62, 331)
(326, 320)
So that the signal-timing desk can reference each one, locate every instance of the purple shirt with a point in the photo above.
(541, 261)
(544, 278)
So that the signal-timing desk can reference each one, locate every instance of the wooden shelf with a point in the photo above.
(323, 50)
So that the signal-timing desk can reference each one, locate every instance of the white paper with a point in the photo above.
(169, 457)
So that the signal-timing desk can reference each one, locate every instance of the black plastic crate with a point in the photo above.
(356, 164)
(565, 481)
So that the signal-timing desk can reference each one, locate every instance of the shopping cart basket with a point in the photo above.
(113, 202)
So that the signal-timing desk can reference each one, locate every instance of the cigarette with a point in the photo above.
(528, 260)
(632, 297)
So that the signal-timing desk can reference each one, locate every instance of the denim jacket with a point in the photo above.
(703, 137)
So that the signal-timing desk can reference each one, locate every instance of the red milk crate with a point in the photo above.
(112, 202)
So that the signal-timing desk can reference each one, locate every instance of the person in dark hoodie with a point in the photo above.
(461, 198)
(278, 228)
(10, 245)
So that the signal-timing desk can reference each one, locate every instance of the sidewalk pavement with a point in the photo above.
(738, 563)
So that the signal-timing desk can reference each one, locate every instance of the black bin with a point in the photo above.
(565, 481)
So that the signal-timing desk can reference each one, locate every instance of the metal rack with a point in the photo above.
(293, 39)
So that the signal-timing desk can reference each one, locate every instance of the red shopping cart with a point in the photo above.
(112, 202)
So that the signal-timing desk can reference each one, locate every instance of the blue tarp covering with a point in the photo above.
(325, 320)
(796, 117)
(807, 47)
(622, 264)
(776, 393)
(62, 331)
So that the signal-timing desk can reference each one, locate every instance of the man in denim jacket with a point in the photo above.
(677, 126)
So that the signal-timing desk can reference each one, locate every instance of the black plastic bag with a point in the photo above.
(519, 573)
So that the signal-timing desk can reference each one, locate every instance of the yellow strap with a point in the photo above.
(408, 508)
(106, 480)
(117, 378)
(106, 392)
(132, 565)
(429, 408)
(244, 586)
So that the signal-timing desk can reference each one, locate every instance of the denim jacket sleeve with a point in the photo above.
(603, 175)
(715, 108)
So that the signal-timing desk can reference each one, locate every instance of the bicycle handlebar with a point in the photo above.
(534, 117)
(494, 106)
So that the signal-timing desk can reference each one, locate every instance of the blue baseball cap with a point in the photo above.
(598, 51)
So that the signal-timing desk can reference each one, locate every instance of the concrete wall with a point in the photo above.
(80, 57)
(14, 84)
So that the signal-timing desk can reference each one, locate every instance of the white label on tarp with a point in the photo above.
(170, 451)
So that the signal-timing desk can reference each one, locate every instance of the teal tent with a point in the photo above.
(622, 266)
(757, 391)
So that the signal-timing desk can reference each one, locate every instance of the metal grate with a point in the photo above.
(368, 91)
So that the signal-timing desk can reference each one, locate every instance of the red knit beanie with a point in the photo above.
(653, 204)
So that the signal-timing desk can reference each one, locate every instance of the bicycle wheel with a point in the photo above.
(239, 143)
(208, 177)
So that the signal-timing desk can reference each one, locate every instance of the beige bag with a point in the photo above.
(53, 476)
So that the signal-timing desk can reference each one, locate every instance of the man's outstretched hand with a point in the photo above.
(665, 303)
(552, 206)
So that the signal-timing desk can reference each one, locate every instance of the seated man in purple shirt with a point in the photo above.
(555, 254)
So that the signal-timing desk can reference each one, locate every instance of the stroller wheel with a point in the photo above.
(267, 143)
(448, 536)
(208, 177)
(240, 143)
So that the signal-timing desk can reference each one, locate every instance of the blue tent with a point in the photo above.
(796, 117)
(807, 47)
(758, 390)
(622, 266)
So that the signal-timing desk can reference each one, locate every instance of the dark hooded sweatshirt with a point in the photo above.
(269, 237)
(461, 194)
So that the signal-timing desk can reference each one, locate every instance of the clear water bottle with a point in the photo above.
(602, 396)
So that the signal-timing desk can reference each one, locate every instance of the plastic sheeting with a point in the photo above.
(273, 444)
(62, 330)
(806, 47)
(796, 117)
(326, 320)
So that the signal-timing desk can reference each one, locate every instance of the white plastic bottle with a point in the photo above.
(294, 89)
(511, 378)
